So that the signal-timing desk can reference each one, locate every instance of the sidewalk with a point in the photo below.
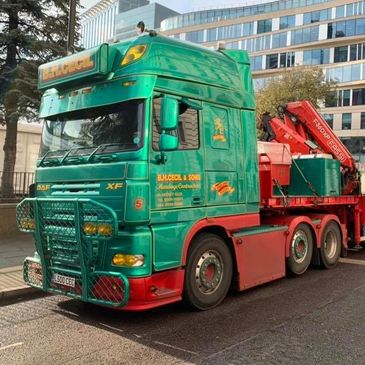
(13, 250)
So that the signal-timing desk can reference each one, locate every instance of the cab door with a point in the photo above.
(177, 183)
(220, 135)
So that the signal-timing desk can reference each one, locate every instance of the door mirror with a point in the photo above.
(169, 113)
(168, 142)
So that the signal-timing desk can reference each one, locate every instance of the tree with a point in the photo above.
(31, 32)
(298, 83)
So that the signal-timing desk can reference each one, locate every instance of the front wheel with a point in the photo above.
(300, 250)
(208, 273)
(331, 243)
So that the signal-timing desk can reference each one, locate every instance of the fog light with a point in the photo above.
(90, 228)
(120, 259)
(27, 223)
(105, 229)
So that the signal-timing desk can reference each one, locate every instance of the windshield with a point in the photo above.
(111, 128)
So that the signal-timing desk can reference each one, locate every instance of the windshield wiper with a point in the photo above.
(103, 147)
(51, 161)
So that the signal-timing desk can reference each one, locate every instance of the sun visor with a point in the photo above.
(91, 64)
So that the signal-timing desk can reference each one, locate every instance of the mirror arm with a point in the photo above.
(161, 158)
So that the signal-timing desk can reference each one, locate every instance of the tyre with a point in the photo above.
(331, 243)
(208, 273)
(300, 250)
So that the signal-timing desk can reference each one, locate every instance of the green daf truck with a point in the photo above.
(147, 184)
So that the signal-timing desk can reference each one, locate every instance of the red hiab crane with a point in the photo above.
(300, 126)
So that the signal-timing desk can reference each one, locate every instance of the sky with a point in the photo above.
(182, 6)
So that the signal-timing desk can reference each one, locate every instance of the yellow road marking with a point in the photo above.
(351, 261)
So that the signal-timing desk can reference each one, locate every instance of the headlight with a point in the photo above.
(27, 223)
(121, 259)
(133, 54)
(105, 229)
(90, 228)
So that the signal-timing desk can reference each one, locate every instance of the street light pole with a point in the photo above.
(71, 27)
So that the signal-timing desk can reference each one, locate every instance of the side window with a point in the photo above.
(188, 128)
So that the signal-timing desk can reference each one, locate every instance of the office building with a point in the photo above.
(284, 34)
(98, 23)
(112, 20)
(125, 5)
(151, 14)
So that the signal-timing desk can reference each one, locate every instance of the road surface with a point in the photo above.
(318, 318)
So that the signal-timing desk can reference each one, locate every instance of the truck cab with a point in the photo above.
(146, 145)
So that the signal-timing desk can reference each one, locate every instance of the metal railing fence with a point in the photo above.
(14, 185)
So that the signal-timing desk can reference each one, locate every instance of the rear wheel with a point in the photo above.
(330, 245)
(208, 273)
(300, 250)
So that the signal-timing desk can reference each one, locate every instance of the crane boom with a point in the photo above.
(303, 128)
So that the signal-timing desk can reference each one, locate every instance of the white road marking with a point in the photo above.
(351, 261)
(175, 347)
(111, 327)
(10, 346)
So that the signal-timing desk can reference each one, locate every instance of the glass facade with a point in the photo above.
(316, 56)
(98, 26)
(305, 35)
(310, 34)
(214, 15)
(316, 16)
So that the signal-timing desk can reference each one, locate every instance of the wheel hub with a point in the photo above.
(209, 272)
(299, 246)
(330, 244)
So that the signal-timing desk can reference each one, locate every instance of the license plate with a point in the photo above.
(63, 280)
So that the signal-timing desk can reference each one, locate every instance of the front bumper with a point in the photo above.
(114, 289)
(69, 261)
(103, 288)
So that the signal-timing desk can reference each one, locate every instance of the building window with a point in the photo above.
(196, 37)
(362, 120)
(305, 35)
(279, 40)
(316, 16)
(316, 56)
(358, 97)
(349, 10)
(346, 121)
(341, 54)
(247, 29)
(331, 100)
(329, 119)
(344, 73)
(212, 35)
(272, 61)
(340, 11)
(345, 97)
(346, 28)
(287, 22)
(264, 26)
(256, 63)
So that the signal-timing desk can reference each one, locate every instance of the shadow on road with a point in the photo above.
(198, 336)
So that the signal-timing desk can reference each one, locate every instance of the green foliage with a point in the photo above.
(298, 83)
(31, 32)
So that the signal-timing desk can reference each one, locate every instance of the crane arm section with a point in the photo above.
(302, 113)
